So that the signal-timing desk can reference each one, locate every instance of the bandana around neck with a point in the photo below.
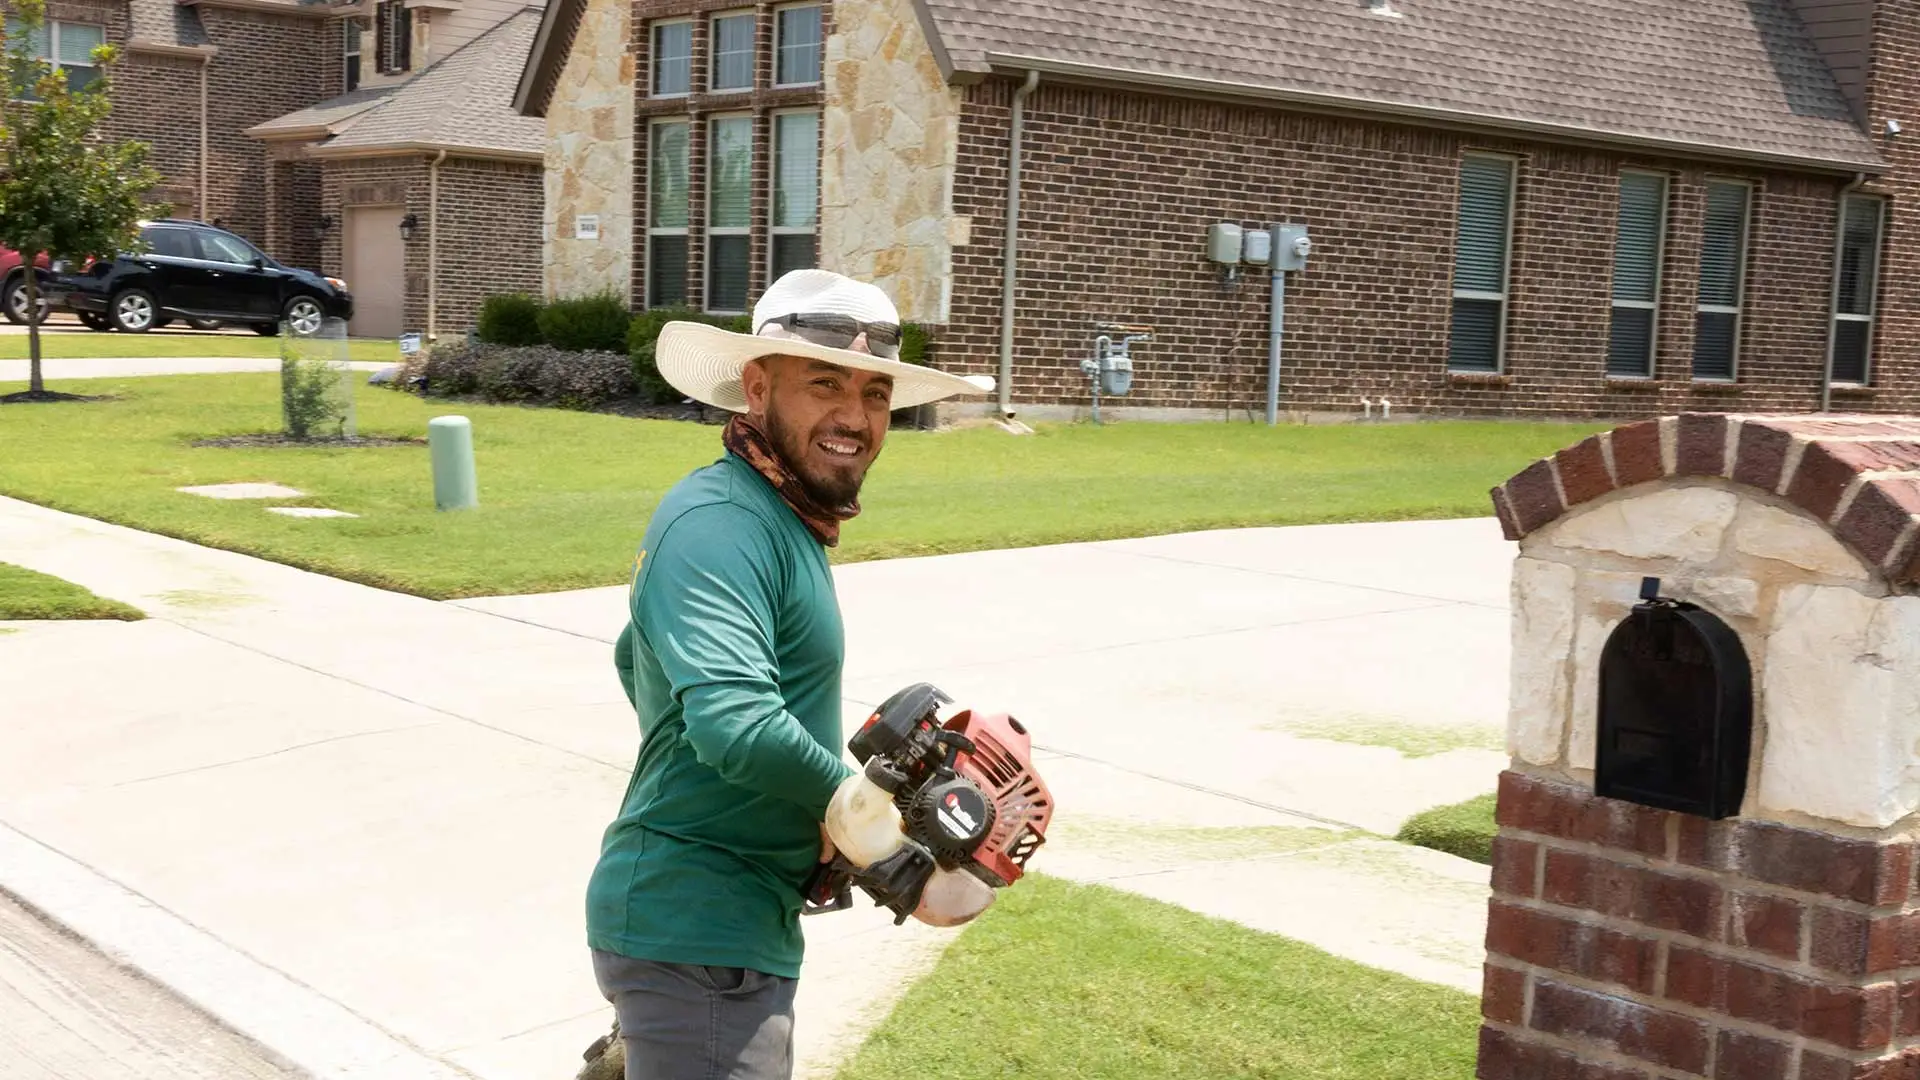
(744, 439)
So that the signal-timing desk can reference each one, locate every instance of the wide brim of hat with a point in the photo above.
(704, 362)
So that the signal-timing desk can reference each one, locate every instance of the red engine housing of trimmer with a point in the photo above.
(1001, 763)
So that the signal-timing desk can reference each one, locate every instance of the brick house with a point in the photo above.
(314, 129)
(1696, 208)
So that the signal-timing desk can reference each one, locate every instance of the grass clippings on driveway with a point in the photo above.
(565, 496)
(25, 594)
(1078, 982)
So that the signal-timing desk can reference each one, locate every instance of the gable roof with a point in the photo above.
(1736, 78)
(461, 103)
(558, 25)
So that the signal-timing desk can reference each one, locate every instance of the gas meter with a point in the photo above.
(1110, 368)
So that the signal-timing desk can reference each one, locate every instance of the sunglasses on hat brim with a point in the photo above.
(840, 332)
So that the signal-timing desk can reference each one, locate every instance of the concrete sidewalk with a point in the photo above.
(357, 824)
(108, 367)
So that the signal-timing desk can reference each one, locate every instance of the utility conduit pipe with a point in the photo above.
(1014, 133)
(433, 245)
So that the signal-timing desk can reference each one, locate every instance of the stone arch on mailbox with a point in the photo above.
(1780, 942)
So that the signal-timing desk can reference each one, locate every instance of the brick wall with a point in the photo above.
(268, 65)
(156, 100)
(489, 236)
(1623, 939)
(395, 181)
(1893, 92)
(1120, 187)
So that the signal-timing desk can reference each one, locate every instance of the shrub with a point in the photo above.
(644, 331)
(315, 399)
(538, 375)
(913, 343)
(595, 323)
(1464, 829)
(509, 319)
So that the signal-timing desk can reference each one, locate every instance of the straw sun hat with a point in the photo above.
(807, 313)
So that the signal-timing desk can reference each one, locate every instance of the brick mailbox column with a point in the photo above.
(1631, 943)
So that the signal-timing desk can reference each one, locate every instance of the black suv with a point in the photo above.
(205, 275)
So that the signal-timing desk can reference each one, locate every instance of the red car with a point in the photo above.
(13, 285)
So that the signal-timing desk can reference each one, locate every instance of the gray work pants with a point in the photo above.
(688, 1022)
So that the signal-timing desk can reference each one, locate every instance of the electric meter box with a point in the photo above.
(1224, 241)
(1258, 247)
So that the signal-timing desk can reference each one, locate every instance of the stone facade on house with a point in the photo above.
(1625, 940)
(889, 144)
(589, 170)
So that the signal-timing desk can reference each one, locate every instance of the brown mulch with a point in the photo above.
(254, 442)
(32, 397)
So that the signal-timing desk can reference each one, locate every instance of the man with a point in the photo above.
(731, 657)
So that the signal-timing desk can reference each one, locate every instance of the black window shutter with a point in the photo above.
(383, 37)
(403, 38)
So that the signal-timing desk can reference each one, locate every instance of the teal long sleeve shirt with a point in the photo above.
(731, 657)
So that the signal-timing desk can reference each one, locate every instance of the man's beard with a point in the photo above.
(835, 489)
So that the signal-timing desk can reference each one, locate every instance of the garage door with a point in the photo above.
(376, 266)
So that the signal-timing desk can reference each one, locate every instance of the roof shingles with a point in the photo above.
(464, 100)
(1740, 75)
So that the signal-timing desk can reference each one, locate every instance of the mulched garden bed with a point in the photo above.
(32, 397)
(255, 442)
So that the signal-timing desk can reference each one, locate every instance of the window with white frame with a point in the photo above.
(1723, 269)
(797, 45)
(796, 191)
(1858, 275)
(732, 47)
(67, 46)
(667, 213)
(672, 58)
(1480, 260)
(1638, 239)
(729, 211)
(350, 52)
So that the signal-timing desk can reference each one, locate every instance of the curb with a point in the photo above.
(306, 1030)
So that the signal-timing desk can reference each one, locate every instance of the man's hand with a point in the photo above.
(826, 844)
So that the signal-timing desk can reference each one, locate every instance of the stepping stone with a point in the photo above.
(309, 512)
(243, 491)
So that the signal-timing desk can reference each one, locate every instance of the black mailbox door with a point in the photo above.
(1676, 711)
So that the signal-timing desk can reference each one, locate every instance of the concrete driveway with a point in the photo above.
(355, 825)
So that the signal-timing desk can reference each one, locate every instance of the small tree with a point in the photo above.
(65, 190)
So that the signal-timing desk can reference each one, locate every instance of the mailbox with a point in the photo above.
(1676, 709)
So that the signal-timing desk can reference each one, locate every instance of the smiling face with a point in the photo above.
(827, 422)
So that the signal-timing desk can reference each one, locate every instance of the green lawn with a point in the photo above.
(1464, 829)
(565, 496)
(1086, 983)
(25, 594)
(66, 344)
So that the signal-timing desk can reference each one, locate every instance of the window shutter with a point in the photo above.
(383, 37)
(1480, 254)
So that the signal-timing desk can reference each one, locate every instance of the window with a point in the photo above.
(1636, 275)
(393, 37)
(796, 46)
(1480, 263)
(170, 243)
(1723, 264)
(729, 211)
(667, 213)
(796, 190)
(68, 47)
(219, 247)
(732, 52)
(1857, 277)
(350, 50)
(672, 58)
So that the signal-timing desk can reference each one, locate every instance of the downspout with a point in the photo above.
(1014, 133)
(206, 61)
(433, 245)
(1833, 296)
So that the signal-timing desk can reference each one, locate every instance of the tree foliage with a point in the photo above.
(66, 190)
